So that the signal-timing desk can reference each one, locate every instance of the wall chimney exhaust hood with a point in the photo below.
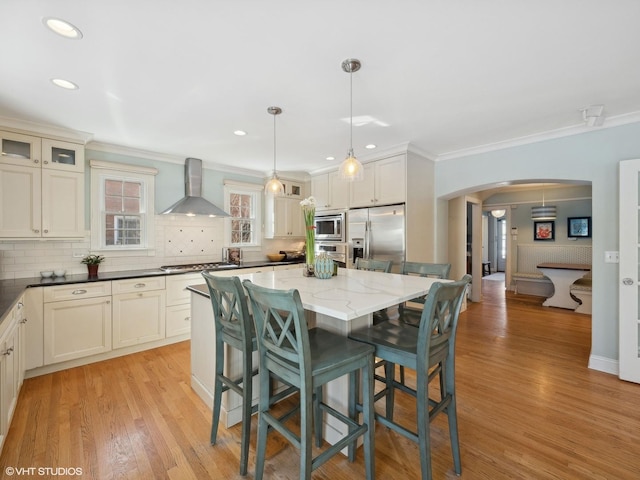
(193, 203)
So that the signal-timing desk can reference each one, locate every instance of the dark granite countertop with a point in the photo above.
(200, 290)
(10, 290)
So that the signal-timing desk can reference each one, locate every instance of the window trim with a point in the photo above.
(100, 171)
(256, 190)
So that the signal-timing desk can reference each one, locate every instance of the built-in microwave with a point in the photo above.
(330, 227)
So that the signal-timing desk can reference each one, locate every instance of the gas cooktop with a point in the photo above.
(197, 267)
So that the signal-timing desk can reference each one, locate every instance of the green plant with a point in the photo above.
(93, 259)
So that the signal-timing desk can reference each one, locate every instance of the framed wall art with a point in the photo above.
(579, 227)
(544, 231)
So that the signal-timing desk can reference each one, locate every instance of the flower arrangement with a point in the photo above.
(309, 210)
(93, 259)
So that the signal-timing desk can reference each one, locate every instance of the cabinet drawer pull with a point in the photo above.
(187, 319)
(79, 292)
(140, 285)
(8, 351)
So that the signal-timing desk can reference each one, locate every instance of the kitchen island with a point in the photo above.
(339, 304)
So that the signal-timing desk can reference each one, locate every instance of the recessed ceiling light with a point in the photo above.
(240, 133)
(62, 28)
(331, 158)
(370, 146)
(62, 83)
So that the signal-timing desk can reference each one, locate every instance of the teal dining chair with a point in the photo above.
(308, 359)
(431, 270)
(407, 314)
(234, 327)
(374, 265)
(431, 353)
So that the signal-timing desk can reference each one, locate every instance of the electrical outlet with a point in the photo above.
(78, 254)
(611, 257)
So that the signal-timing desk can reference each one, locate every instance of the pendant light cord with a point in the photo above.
(351, 113)
(274, 144)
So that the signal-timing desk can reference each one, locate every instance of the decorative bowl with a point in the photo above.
(276, 257)
(59, 273)
(46, 274)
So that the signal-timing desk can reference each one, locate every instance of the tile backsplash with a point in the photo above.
(178, 240)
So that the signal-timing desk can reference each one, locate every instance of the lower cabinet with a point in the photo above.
(12, 365)
(76, 328)
(178, 320)
(138, 311)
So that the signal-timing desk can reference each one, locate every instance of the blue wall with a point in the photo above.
(591, 157)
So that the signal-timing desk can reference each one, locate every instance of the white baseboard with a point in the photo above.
(603, 364)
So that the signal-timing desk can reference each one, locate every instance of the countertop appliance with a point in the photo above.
(378, 233)
(330, 227)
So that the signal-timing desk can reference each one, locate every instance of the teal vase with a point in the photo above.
(323, 267)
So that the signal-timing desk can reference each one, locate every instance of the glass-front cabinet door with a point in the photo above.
(31, 151)
(629, 361)
(18, 149)
(59, 155)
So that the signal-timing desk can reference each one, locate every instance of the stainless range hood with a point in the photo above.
(193, 203)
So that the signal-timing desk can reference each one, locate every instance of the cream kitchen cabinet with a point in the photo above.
(12, 364)
(138, 310)
(242, 271)
(293, 189)
(384, 183)
(283, 218)
(330, 191)
(42, 191)
(77, 321)
(178, 316)
(32, 151)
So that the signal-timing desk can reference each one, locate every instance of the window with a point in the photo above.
(123, 212)
(122, 206)
(243, 202)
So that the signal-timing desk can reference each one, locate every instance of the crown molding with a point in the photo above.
(610, 122)
(26, 127)
(162, 157)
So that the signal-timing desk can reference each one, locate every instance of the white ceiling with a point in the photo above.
(179, 76)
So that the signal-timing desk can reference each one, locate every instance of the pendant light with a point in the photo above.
(544, 212)
(351, 169)
(274, 186)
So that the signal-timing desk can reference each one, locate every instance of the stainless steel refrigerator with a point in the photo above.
(378, 233)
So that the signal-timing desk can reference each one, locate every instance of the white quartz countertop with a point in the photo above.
(350, 294)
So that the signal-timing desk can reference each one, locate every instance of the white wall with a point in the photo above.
(591, 157)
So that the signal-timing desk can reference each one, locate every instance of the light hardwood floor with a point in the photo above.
(528, 408)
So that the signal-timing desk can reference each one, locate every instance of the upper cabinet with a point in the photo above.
(384, 183)
(283, 218)
(31, 151)
(42, 183)
(293, 189)
(330, 191)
